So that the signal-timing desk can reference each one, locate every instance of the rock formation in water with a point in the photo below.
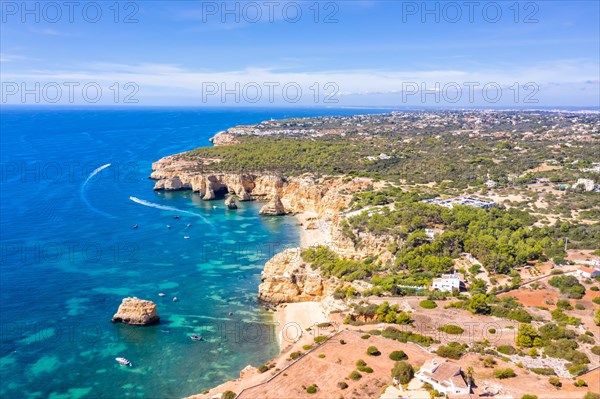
(136, 312)
(273, 208)
(230, 202)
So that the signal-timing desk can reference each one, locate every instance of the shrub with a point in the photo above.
(529, 396)
(543, 371)
(366, 369)
(568, 285)
(342, 342)
(507, 350)
(564, 304)
(594, 288)
(366, 336)
(403, 372)
(580, 383)
(322, 356)
(373, 351)
(591, 395)
(406, 336)
(579, 307)
(489, 362)
(428, 304)
(596, 350)
(451, 329)
(453, 350)
(307, 347)
(342, 385)
(504, 373)
(555, 381)
(311, 389)
(401, 355)
(492, 331)
(586, 339)
(321, 338)
(596, 300)
(263, 368)
(228, 395)
(295, 355)
(355, 376)
(577, 369)
(360, 363)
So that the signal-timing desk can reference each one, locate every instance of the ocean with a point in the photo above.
(74, 182)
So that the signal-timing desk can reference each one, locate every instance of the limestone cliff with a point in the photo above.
(287, 278)
(136, 312)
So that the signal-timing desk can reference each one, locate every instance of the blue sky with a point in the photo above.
(343, 53)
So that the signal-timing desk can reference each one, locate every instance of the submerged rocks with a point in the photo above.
(273, 207)
(136, 312)
(230, 202)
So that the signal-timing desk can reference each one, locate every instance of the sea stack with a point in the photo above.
(230, 202)
(136, 312)
(273, 207)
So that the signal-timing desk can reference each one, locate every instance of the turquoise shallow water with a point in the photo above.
(70, 254)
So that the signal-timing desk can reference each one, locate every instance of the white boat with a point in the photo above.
(186, 237)
(195, 337)
(122, 361)
(161, 294)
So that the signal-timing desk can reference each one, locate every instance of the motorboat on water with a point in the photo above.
(161, 294)
(195, 337)
(123, 362)
(186, 237)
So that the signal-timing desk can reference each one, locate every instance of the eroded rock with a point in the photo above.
(137, 312)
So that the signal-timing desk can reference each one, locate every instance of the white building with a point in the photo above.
(588, 184)
(445, 376)
(588, 272)
(448, 282)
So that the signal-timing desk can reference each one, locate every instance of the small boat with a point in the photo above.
(230, 314)
(161, 294)
(195, 337)
(188, 226)
(175, 299)
(186, 237)
(168, 226)
(122, 361)
(176, 217)
(135, 226)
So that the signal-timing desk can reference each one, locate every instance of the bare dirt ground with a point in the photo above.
(338, 362)
(533, 298)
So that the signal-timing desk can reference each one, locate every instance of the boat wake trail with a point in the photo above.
(82, 191)
(169, 208)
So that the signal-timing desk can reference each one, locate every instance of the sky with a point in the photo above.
(301, 53)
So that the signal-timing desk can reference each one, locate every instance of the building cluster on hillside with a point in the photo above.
(469, 201)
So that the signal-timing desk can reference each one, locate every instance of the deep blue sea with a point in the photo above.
(70, 254)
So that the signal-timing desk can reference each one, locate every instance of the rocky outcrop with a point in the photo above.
(224, 138)
(287, 278)
(230, 202)
(137, 312)
(273, 208)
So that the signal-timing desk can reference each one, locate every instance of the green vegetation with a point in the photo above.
(591, 395)
(568, 285)
(342, 385)
(263, 368)
(451, 329)
(453, 350)
(543, 370)
(403, 372)
(580, 383)
(320, 339)
(504, 373)
(529, 396)
(228, 395)
(312, 389)
(555, 381)
(489, 362)
(401, 355)
(428, 304)
(322, 356)
(355, 375)
(528, 336)
(507, 350)
(407, 336)
(296, 355)
(596, 350)
(373, 351)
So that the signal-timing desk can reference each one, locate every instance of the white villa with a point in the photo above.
(448, 282)
(588, 272)
(444, 376)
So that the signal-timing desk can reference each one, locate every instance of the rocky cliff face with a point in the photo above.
(287, 278)
(136, 312)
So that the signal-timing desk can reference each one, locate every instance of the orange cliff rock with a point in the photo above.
(136, 312)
